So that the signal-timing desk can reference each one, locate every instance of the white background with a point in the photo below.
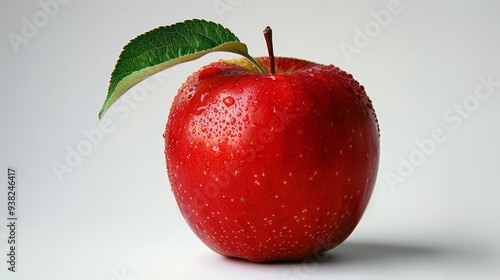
(113, 216)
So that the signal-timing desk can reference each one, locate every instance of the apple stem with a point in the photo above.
(268, 35)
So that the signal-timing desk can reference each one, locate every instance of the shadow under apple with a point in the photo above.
(377, 253)
(383, 253)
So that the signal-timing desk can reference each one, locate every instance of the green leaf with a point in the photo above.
(166, 46)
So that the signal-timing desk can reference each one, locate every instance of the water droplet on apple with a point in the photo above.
(200, 110)
(215, 149)
(228, 101)
(203, 96)
(324, 80)
(207, 72)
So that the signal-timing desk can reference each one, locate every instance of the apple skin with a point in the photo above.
(272, 167)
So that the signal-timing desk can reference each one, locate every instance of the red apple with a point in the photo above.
(269, 159)
(272, 167)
